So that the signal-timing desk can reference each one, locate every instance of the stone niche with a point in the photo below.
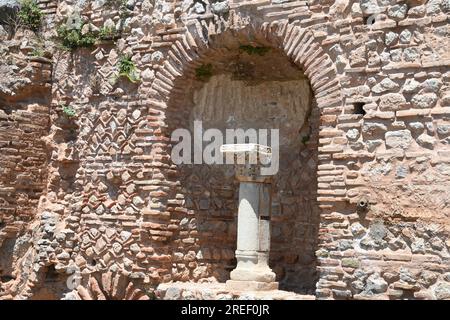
(252, 87)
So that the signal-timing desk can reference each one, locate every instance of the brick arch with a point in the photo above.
(197, 46)
(299, 45)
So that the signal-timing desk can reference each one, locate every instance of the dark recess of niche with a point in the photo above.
(7, 259)
(369, 20)
(51, 275)
(358, 108)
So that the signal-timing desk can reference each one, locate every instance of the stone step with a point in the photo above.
(218, 291)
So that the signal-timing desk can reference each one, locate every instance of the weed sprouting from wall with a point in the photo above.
(127, 69)
(72, 38)
(69, 112)
(108, 33)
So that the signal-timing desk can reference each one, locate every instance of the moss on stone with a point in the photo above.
(350, 262)
(322, 253)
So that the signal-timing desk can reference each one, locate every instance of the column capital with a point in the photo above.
(249, 158)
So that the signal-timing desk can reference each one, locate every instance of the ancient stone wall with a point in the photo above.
(25, 93)
(362, 210)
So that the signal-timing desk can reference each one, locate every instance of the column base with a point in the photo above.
(242, 285)
(264, 274)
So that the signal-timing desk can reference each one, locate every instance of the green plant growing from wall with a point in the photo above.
(38, 48)
(69, 112)
(251, 50)
(204, 72)
(72, 38)
(127, 69)
(108, 33)
(30, 15)
(37, 52)
(72, 34)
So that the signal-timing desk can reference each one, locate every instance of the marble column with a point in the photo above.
(253, 235)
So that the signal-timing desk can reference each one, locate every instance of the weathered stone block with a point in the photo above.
(385, 85)
(411, 54)
(391, 101)
(398, 139)
(442, 291)
(375, 284)
(426, 141)
(398, 11)
(425, 100)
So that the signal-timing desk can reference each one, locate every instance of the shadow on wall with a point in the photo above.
(24, 119)
(52, 285)
(7, 260)
(296, 215)
(247, 86)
